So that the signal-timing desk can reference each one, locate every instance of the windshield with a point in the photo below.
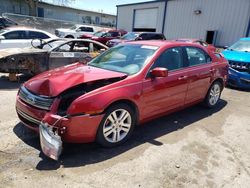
(130, 36)
(99, 33)
(2, 31)
(128, 59)
(242, 46)
(73, 27)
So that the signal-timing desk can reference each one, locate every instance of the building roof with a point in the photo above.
(63, 6)
(147, 2)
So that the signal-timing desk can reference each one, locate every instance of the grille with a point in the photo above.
(240, 66)
(35, 100)
(28, 119)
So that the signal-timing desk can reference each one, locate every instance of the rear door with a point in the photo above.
(167, 93)
(199, 72)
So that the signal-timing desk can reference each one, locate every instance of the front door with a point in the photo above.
(164, 94)
(68, 53)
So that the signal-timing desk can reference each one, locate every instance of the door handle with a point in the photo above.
(182, 78)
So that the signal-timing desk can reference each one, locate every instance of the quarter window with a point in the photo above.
(197, 56)
(171, 59)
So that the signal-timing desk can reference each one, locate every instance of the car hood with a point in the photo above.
(64, 30)
(15, 51)
(237, 55)
(54, 82)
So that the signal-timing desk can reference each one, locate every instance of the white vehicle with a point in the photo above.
(75, 32)
(20, 37)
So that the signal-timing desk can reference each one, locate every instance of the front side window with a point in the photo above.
(196, 56)
(15, 35)
(170, 59)
(86, 29)
(128, 59)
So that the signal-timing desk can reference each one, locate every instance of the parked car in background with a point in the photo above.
(127, 85)
(132, 36)
(49, 55)
(6, 22)
(105, 36)
(20, 37)
(75, 31)
(238, 56)
(201, 42)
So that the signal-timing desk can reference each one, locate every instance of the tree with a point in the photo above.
(32, 4)
(32, 7)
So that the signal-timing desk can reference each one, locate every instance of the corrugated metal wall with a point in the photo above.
(229, 17)
(125, 15)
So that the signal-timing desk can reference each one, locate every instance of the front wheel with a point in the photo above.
(116, 126)
(213, 95)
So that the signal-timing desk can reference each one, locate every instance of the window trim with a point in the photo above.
(205, 53)
(170, 71)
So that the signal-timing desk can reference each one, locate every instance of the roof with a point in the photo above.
(148, 2)
(164, 43)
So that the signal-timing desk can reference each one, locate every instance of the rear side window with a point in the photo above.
(197, 56)
(112, 34)
(37, 35)
(86, 29)
(15, 35)
(171, 59)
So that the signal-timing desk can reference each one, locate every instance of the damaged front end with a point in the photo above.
(51, 142)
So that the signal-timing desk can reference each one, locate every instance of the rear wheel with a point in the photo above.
(213, 95)
(116, 126)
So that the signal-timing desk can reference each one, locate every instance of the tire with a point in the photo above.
(112, 130)
(69, 37)
(213, 95)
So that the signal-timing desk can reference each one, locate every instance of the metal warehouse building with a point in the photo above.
(221, 22)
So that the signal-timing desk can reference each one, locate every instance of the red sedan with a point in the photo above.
(123, 87)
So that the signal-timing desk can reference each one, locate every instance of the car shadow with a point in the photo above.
(75, 155)
(5, 84)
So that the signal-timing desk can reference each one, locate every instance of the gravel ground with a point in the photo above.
(196, 147)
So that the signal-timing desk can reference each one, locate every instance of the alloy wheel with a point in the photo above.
(117, 125)
(214, 94)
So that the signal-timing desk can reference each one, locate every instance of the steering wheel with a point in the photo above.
(42, 43)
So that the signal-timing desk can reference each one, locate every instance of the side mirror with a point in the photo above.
(159, 72)
(78, 30)
(2, 37)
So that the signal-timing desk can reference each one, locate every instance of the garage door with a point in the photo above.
(145, 19)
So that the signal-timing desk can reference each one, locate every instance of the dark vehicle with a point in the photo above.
(48, 55)
(104, 36)
(131, 36)
(5, 22)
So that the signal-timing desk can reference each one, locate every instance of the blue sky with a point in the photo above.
(107, 6)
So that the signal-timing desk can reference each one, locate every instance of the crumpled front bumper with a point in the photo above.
(51, 143)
